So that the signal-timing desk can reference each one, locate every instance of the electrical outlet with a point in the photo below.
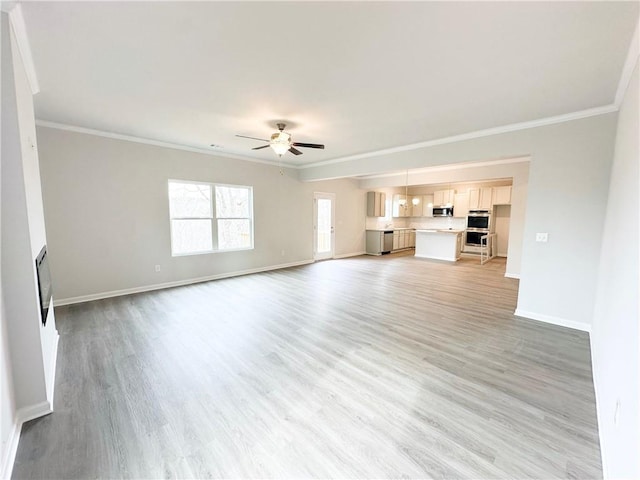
(542, 237)
(157, 268)
(282, 253)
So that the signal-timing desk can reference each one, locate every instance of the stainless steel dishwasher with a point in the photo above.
(387, 245)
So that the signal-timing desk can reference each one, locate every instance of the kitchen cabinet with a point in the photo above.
(443, 197)
(427, 206)
(374, 242)
(459, 241)
(402, 239)
(461, 205)
(396, 240)
(400, 206)
(376, 204)
(417, 205)
(411, 239)
(439, 244)
(480, 198)
(502, 195)
(421, 205)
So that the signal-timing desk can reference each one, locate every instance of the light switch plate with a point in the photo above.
(542, 237)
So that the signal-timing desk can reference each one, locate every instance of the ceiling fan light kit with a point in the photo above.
(281, 142)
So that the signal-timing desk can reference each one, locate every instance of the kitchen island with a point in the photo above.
(439, 244)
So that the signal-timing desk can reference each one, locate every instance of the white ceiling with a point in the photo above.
(358, 77)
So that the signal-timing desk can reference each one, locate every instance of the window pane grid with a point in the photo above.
(191, 210)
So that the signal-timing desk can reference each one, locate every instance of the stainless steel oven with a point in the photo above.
(479, 219)
(473, 237)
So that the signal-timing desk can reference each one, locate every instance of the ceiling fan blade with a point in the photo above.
(259, 148)
(295, 151)
(252, 138)
(308, 145)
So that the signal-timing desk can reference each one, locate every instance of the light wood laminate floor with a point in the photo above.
(367, 367)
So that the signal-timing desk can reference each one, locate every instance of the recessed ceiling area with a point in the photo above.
(358, 77)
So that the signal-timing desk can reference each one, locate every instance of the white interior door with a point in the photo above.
(323, 225)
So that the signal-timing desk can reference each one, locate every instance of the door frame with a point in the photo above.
(327, 196)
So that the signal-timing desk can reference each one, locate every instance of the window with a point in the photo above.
(233, 214)
(194, 226)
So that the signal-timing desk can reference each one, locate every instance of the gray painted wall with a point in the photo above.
(616, 329)
(107, 213)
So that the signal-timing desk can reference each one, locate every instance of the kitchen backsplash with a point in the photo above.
(377, 223)
(456, 223)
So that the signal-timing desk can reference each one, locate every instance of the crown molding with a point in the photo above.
(6, 7)
(449, 166)
(22, 40)
(629, 66)
(156, 143)
(592, 112)
(415, 146)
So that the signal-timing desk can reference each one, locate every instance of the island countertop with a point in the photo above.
(439, 230)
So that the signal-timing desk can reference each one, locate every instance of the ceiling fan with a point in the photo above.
(281, 142)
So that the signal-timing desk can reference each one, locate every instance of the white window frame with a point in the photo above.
(213, 220)
(216, 218)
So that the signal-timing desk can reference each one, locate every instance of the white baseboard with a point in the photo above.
(347, 255)
(585, 327)
(512, 275)
(33, 411)
(599, 413)
(9, 456)
(179, 283)
(22, 415)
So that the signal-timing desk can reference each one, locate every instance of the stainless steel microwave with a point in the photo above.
(443, 211)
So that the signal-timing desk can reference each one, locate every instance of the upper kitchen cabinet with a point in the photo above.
(417, 205)
(480, 198)
(443, 197)
(420, 206)
(376, 204)
(502, 195)
(427, 205)
(401, 208)
(461, 205)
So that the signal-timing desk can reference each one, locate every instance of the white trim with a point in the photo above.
(157, 143)
(599, 415)
(629, 66)
(22, 415)
(331, 253)
(6, 7)
(9, 457)
(512, 275)
(591, 112)
(448, 166)
(178, 283)
(430, 143)
(347, 255)
(20, 31)
(33, 411)
(562, 322)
